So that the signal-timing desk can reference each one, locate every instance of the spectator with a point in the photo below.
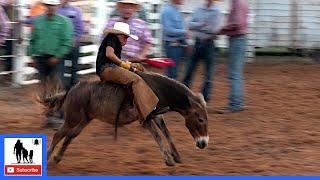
(174, 34)
(205, 24)
(4, 26)
(51, 41)
(75, 15)
(133, 50)
(236, 29)
(37, 9)
(141, 13)
(6, 2)
(6, 45)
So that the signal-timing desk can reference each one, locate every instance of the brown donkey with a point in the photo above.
(113, 104)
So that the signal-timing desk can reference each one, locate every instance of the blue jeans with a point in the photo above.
(237, 51)
(73, 56)
(175, 53)
(205, 51)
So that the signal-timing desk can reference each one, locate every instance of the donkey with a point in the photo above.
(113, 104)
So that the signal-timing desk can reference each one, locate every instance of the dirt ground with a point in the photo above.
(278, 134)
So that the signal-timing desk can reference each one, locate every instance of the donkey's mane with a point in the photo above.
(165, 78)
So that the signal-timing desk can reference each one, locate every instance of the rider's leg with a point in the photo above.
(144, 97)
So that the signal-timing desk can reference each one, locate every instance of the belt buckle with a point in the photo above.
(174, 44)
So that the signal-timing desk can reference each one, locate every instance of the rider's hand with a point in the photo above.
(133, 68)
(125, 65)
(137, 67)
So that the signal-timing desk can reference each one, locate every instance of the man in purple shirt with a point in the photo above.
(133, 50)
(236, 29)
(75, 16)
(4, 26)
(4, 34)
(8, 7)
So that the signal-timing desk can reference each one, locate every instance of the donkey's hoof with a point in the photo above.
(177, 158)
(169, 160)
(169, 163)
(57, 159)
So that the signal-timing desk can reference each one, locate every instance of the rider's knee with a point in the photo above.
(136, 79)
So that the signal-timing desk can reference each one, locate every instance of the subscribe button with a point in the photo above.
(29, 170)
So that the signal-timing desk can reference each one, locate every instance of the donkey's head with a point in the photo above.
(197, 120)
(181, 99)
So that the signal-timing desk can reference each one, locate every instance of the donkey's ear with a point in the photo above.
(192, 101)
(202, 100)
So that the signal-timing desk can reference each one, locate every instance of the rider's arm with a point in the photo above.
(110, 54)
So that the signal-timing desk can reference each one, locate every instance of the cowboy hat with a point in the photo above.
(129, 2)
(51, 2)
(120, 28)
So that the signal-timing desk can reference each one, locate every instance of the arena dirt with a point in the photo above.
(278, 134)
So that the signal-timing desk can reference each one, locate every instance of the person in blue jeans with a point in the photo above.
(205, 24)
(75, 16)
(236, 29)
(174, 35)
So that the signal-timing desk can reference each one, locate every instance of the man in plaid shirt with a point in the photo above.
(133, 50)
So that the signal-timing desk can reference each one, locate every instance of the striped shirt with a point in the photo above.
(75, 15)
(3, 2)
(139, 28)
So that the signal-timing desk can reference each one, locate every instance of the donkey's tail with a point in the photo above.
(53, 102)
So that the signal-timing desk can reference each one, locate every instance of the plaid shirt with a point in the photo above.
(75, 15)
(238, 19)
(4, 26)
(3, 2)
(139, 28)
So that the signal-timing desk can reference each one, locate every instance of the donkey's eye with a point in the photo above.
(201, 120)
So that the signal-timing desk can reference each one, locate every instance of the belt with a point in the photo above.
(204, 40)
(45, 56)
(176, 43)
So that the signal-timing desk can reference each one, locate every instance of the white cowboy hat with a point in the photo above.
(121, 28)
(51, 2)
(129, 2)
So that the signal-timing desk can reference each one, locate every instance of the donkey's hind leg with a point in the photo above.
(60, 134)
(70, 135)
(162, 126)
(150, 124)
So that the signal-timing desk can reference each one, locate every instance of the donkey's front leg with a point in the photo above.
(153, 130)
(162, 126)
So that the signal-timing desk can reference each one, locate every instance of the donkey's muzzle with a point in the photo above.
(202, 142)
